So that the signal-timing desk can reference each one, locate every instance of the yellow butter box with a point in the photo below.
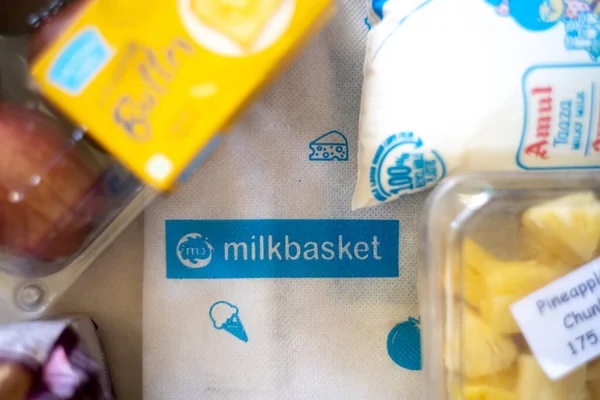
(155, 81)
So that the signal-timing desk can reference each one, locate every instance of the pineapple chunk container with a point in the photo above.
(510, 287)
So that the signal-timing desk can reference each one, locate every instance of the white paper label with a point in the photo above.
(561, 321)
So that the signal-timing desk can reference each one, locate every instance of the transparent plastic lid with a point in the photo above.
(63, 199)
(497, 247)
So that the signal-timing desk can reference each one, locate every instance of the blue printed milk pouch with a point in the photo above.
(476, 85)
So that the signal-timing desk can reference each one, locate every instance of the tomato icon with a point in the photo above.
(404, 344)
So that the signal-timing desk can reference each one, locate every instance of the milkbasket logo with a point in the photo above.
(234, 249)
(194, 251)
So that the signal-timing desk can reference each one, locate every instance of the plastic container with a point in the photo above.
(62, 198)
(495, 240)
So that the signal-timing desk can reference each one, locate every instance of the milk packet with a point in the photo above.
(477, 85)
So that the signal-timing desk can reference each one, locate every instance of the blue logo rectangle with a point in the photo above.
(235, 249)
(80, 62)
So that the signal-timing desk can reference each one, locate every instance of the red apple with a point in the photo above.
(51, 28)
(50, 193)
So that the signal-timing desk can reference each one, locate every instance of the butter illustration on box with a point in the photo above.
(242, 23)
(155, 91)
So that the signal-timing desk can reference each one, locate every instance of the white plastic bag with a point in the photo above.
(480, 85)
(260, 283)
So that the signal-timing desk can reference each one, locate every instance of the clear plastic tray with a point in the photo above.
(62, 199)
(490, 240)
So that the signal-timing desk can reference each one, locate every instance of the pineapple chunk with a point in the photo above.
(500, 386)
(531, 249)
(534, 384)
(482, 351)
(568, 227)
(475, 260)
(508, 282)
(593, 390)
(472, 290)
(593, 371)
(475, 257)
(593, 379)
(487, 392)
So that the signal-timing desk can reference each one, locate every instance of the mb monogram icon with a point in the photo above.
(194, 251)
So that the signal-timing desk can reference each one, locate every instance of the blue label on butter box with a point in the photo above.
(234, 249)
(80, 61)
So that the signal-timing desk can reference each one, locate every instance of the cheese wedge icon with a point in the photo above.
(332, 146)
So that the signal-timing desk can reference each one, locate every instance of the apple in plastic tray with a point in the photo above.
(50, 194)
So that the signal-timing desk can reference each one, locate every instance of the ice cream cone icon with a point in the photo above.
(235, 327)
(225, 316)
